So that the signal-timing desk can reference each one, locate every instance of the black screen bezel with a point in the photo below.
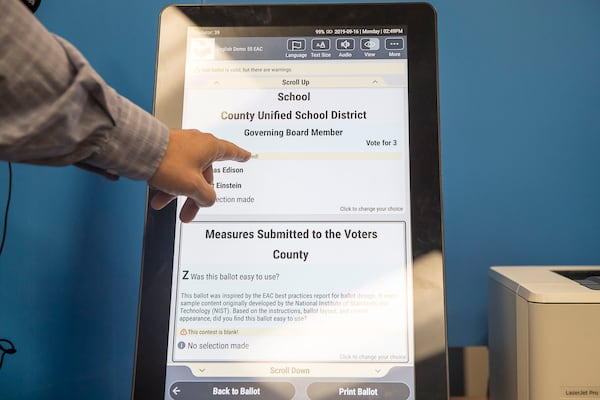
(426, 212)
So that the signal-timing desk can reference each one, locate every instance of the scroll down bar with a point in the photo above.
(328, 156)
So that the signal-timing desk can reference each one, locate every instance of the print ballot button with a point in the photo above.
(357, 390)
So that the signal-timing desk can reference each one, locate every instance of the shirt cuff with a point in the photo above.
(134, 147)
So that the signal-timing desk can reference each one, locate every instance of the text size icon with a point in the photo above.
(320, 44)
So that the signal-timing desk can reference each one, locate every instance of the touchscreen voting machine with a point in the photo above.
(318, 272)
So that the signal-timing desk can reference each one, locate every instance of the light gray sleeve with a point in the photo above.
(56, 110)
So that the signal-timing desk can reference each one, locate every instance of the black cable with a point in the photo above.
(6, 346)
(8, 197)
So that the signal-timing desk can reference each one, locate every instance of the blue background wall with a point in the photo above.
(520, 99)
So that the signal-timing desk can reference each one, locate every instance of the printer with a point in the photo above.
(544, 333)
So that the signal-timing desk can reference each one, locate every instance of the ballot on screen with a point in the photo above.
(318, 272)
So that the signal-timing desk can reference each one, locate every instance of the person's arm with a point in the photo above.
(56, 110)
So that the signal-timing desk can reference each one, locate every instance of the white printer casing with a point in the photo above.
(543, 334)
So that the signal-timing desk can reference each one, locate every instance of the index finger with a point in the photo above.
(230, 151)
